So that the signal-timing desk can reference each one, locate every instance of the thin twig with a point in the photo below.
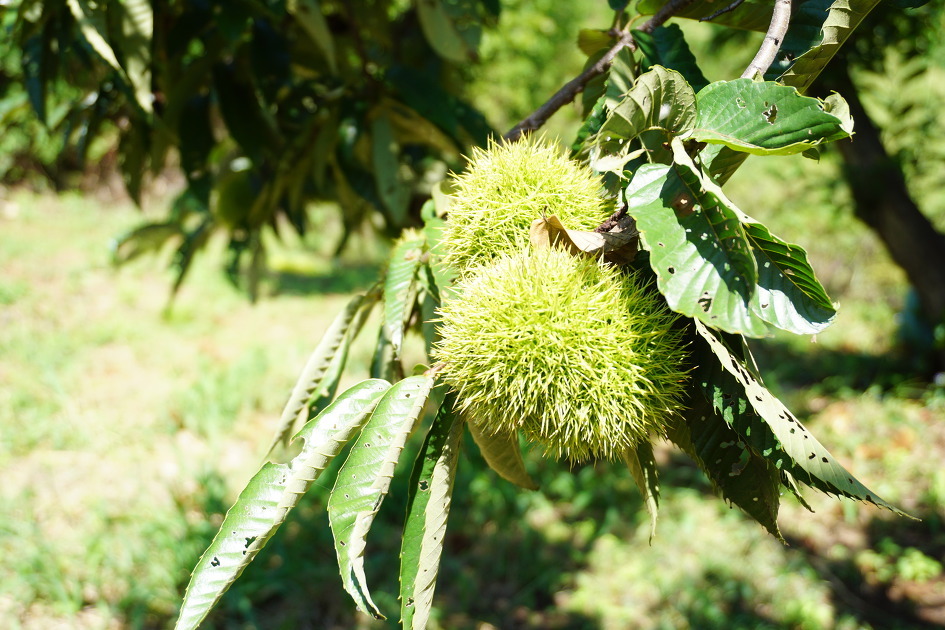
(575, 86)
(722, 11)
(780, 20)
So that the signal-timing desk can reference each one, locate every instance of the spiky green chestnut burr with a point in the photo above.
(579, 356)
(505, 188)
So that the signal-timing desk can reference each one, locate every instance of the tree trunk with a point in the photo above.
(883, 202)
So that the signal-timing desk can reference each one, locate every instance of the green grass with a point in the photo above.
(127, 431)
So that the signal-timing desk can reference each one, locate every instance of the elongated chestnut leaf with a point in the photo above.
(399, 287)
(428, 508)
(764, 118)
(315, 369)
(385, 154)
(642, 466)
(503, 454)
(813, 464)
(365, 477)
(262, 506)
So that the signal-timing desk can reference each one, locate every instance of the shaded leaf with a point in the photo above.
(666, 46)
(428, 508)
(752, 15)
(266, 500)
(698, 247)
(364, 479)
(452, 27)
(92, 22)
(310, 17)
(394, 192)
(642, 466)
(144, 239)
(814, 465)
(503, 454)
(764, 118)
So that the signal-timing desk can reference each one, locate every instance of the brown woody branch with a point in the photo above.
(575, 86)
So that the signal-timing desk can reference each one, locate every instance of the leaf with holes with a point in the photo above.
(262, 506)
(698, 247)
(399, 286)
(642, 466)
(764, 118)
(503, 454)
(739, 475)
(364, 480)
(659, 106)
(428, 508)
(788, 294)
(812, 464)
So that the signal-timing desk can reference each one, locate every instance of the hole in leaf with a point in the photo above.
(249, 541)
(671, 270)
(215, 562)
(424, 485)
(705, 303)
(823, 459)
(812, 456)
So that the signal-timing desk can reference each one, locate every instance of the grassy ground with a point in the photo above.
(126, 431)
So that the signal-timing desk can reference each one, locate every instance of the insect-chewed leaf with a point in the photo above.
(739, 475)
(262, 506)
(659, 107)
(399, 286)
(811, 463)
(317, 366)
(618, 247)
(642, 466)
(365, 477)
(764, 118)
(503, 455)
(698, 247)
(428, 508)
(788, 294)
(843, 17)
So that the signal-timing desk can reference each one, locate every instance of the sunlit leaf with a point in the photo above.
(135, 43)
(763, 118)
(364, 479)
(266, 500)
(399, 287)
(618, 246)
(503, 454)
(697, 244)
(428, 508)
(145, 239)
(642, 466)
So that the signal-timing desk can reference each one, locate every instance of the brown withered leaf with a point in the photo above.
(617, 246)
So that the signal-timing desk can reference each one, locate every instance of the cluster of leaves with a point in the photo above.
(269, 104)
(665, 140)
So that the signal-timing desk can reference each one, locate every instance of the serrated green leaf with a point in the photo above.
(263, 505)
(428, 507)
(503, 454)
(144, 239)
(788, 294)
(318, 364)
(310, 17)
(365, 477)
(642, 466)
(658, 107)
(698, 248)
(452, 27)
(399, 287)
(763, 118)
(385, 154)
(813, 464)
(842, 18)
(666, 46)
(737, 474)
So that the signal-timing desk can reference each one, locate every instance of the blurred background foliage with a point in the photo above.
(289, 147)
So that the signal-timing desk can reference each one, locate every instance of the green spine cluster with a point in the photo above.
(505, 188)
(580, 356)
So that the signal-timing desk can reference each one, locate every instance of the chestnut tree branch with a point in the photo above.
(575, 86)
(780, 20)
